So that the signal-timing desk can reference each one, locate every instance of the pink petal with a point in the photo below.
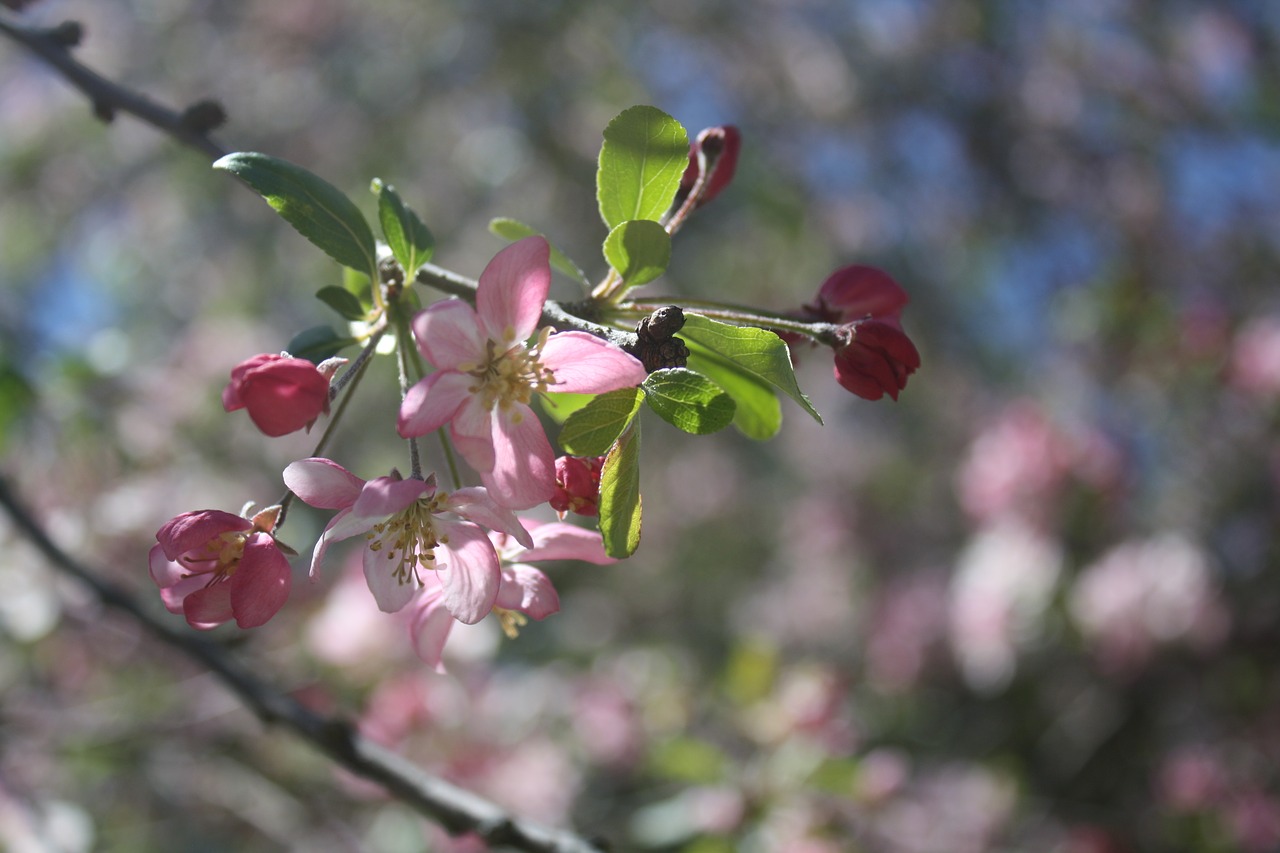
(164, 572)
(383, 497)
(449, 335)
(528, 590)
(472, 431)
(260, 586)
(584, 364)
(323, 483)
(561, 541)
(389, 591)
(190, 530)
(175, 596)
(524, 472)
(331, 533)
(513, 289)
(476, 504)
(209, 607)
(471, 572)
(433, 402)
(429, 628)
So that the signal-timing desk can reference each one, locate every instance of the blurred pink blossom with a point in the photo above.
(1255, 358)
(1144, 593)
(1002, 585)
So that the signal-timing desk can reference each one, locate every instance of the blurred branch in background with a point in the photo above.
(53, 44)
(456, 809)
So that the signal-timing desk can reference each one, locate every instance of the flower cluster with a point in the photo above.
(471, 367)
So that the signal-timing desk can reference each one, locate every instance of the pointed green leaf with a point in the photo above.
(757, 352)
(409, 240)
(758, 414)
(514, 229)
(312, 205)
(357, 283)
(644, 155)
(639, 250)
(620, 495)
(346, 303)
(688, 400)
(590, 430)
(317, 343)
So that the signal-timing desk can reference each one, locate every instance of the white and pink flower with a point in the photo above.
(524, 592)
(417, 535)
(488, 373)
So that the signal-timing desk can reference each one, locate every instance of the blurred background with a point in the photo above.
(1032, 606)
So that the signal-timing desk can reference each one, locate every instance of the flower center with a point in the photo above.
(221, 556)
(409, 538)
(511, 620)
(513, 375)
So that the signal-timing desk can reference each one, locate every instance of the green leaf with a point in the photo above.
(758, 414)
(759, 353)
(409, 240)
(346, 303)
(639, 250)
(620, 495)
(645, 153)
(688, 400)
(559, 405)
(514, 229)
(312, 205)
(357, 283)
(593, 428)
(317, 343)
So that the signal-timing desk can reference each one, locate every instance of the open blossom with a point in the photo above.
(414, 533)
(488, 374)
(874, 356)
(212, 566)
(282, 394)
(523, 591)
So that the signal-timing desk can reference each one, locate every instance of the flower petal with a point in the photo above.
(190, 530)
(260, 586)
(558, 540)
(429, 628)
(528, 590)
(209, 607)
(391, 591)
(474, 503)
(470, 572)
(383, 497)
(585, 364)
(524, 473)
(513, 289)
(449, 335)
(472, 431)
(433, 402)
(322, 483)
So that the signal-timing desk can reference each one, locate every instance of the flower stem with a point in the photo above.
(737, 314)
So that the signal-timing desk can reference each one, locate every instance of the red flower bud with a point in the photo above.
(577, 484)
(282, 394)
(718, 145)
(876, 358)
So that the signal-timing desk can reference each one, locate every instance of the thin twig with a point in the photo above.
(456, 809)
(190, 127)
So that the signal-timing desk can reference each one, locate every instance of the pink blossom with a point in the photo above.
(1255, 358)
(282, 394)
(523, 591)
(488, 374)
(212, 566)
(410, 527)
(577, 485)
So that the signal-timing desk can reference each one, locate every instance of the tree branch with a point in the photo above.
(456, 809)
(53, 45)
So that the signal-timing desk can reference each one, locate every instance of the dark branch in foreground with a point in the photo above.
(456, 809)
(190, 126)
